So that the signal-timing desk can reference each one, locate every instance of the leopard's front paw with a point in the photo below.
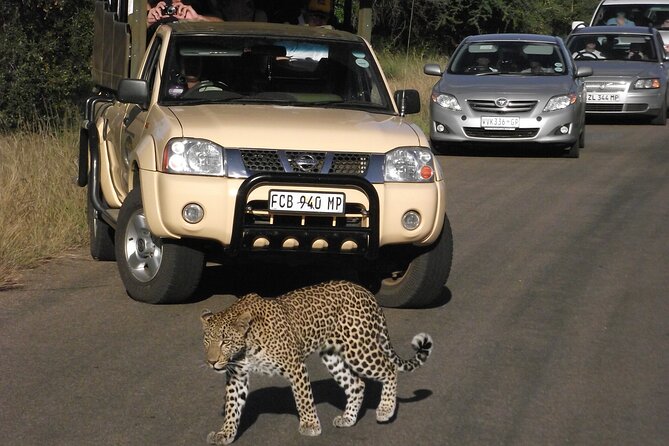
(219, 438)
(310, 429)
(343, 421)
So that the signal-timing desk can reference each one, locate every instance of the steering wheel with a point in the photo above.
(585, 55)
(201, 86)
(478, 69)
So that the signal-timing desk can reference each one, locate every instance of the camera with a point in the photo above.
(169, 8)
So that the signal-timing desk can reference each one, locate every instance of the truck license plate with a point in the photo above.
(500, 122)
(307, 202)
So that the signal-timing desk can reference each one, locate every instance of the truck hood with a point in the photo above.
(296, 128)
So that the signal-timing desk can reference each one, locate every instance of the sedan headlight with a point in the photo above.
(447, 101)
(194, 157)
(410, 165)
(560, 102)
(643, 84)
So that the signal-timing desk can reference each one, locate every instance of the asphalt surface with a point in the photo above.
(555, 330)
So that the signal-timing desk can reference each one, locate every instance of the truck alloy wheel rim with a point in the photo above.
(143, 252)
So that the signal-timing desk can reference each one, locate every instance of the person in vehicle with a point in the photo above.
(590, 51)
(636, 52)
(169, 11)
(482, 66)
(620, 20)
(536, 68)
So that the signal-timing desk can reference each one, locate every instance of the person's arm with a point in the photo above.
(154, 14)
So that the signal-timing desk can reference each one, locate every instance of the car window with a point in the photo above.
(639, 14)
(614, 47)
(283, 71)
(512, 57)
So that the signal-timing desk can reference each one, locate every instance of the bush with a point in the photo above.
(45, 52)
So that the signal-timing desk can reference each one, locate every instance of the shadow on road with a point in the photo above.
(279, 400)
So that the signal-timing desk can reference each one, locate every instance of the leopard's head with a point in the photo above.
(224, 337)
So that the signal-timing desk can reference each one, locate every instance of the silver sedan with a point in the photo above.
(509, 88)
(630, 70)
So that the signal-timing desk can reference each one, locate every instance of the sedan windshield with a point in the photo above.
(243, 69)
(509, 57)
(612, 47)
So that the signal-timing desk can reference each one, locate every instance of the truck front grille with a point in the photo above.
(270, 161)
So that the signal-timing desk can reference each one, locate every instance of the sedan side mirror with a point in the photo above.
(408, 101)
(432, 69)
(133, 91)
(583, 71)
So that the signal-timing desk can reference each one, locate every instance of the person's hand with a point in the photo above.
(156, 13)
(186, 12)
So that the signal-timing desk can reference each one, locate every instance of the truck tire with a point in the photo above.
(101, 236)
(410, 277)
(153, 270)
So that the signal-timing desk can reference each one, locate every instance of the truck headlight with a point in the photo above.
(194, 157)
(560, 102)
(447, 101)
(643, 84)
(410, 165)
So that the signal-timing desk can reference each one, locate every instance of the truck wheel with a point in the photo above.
(408, 277)
(153, 270)
(101, 236)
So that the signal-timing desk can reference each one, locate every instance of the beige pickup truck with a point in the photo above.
(259, 142)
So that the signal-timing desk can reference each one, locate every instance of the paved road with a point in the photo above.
(556, 331)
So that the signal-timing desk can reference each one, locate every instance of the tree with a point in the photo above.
(441, 24)
(45, 51)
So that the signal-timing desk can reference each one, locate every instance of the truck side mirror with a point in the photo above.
(133, 91)
(408, 101)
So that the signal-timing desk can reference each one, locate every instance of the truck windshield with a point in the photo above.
(219, 69)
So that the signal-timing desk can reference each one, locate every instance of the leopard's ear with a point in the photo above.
(243, 322)
(205, 316)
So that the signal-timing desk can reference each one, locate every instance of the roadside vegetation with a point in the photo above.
(42, 211)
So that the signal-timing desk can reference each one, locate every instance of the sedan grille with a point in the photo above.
(606, 86)
(510, 107)
(477, 132)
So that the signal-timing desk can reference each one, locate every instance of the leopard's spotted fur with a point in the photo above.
(340, 320)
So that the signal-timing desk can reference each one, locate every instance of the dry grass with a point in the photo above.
(42, 211)
(406, 71)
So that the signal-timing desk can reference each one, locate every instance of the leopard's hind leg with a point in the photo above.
(353, 386)
(386, 408)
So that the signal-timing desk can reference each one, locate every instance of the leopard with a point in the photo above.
(340, 320)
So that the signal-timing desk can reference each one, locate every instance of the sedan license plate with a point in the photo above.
(500, 122)
(604, 97)
(307, 202)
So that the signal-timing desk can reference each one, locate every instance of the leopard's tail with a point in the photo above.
(422, 343)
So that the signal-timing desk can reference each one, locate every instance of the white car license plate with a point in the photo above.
(500, 122)
(604, 97)
(307, 202)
